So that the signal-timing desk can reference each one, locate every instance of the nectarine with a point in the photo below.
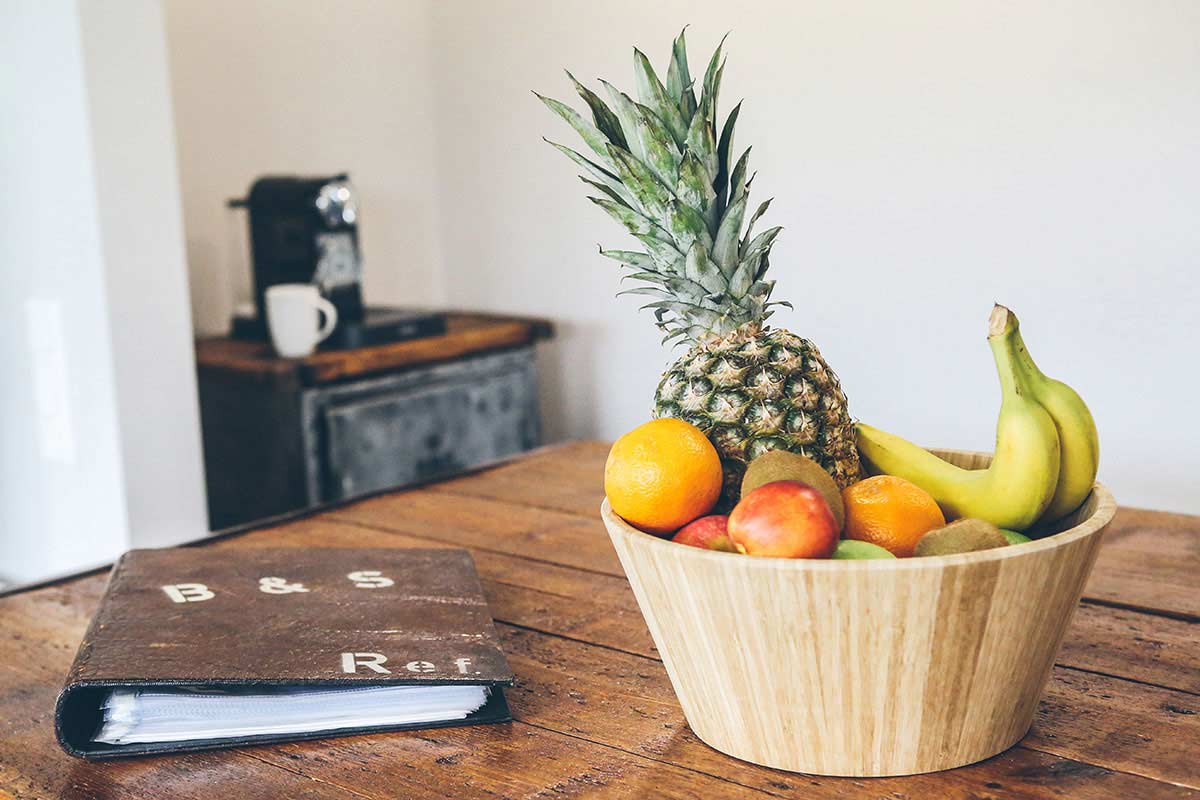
(784, 519)
(710, 533)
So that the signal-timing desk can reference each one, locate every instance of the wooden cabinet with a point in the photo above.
(282, 435)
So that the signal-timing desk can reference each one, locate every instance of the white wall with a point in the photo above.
(99, 436)
(137, 183)
(928, 158)
(61, 479)
(305, 87)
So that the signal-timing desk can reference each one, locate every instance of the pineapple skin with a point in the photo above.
(757, 390)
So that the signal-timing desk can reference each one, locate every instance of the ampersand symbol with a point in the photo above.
(279, 586)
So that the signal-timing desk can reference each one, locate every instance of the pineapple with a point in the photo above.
(661, 167)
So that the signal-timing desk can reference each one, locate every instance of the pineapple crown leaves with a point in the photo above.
(662, 167)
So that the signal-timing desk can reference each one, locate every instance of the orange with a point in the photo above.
(890, 512)
(662, 475)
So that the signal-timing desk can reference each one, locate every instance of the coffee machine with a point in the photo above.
(305, 230)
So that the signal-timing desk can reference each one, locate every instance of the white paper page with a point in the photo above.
(141, 716)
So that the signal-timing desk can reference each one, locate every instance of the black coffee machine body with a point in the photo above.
(305, 230)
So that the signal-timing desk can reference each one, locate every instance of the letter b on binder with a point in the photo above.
(188, 592)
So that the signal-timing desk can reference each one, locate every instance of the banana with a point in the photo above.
(1078, 439)
(1015, 490)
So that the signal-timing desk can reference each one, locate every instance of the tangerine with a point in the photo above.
(890, 512)
(662, 475)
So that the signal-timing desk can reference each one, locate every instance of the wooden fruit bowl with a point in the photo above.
(862, 668)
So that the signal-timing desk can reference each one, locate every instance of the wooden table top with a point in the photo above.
(594, 713)
(466, 334)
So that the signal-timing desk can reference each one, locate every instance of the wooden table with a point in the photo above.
(595, 715)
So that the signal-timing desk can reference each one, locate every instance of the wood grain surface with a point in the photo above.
(466, 334)
(595, 713)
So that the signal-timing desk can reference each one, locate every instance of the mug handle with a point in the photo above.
(331, 318)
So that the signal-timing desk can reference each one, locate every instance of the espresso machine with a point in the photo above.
(305, 230)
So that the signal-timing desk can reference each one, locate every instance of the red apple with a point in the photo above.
(784, 519)
(710, 533)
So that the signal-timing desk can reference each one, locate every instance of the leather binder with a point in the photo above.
(237, 620)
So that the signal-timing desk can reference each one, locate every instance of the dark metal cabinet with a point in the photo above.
(404, 429)
(282, 435)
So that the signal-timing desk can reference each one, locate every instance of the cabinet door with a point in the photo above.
(405, 436)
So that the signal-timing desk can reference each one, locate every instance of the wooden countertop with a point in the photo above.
(466, 334)
(595, 714)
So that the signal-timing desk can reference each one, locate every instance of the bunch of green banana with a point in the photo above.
(1047, 448)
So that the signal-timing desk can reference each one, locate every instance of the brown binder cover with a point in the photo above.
(281, 618)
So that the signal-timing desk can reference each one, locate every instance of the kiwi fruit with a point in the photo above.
(1014, 537)
(781, 465)
(853, 549)
(962, 536)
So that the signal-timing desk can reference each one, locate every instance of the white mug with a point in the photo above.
(292, 310)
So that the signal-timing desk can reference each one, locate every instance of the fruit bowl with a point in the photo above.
(863, 668)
